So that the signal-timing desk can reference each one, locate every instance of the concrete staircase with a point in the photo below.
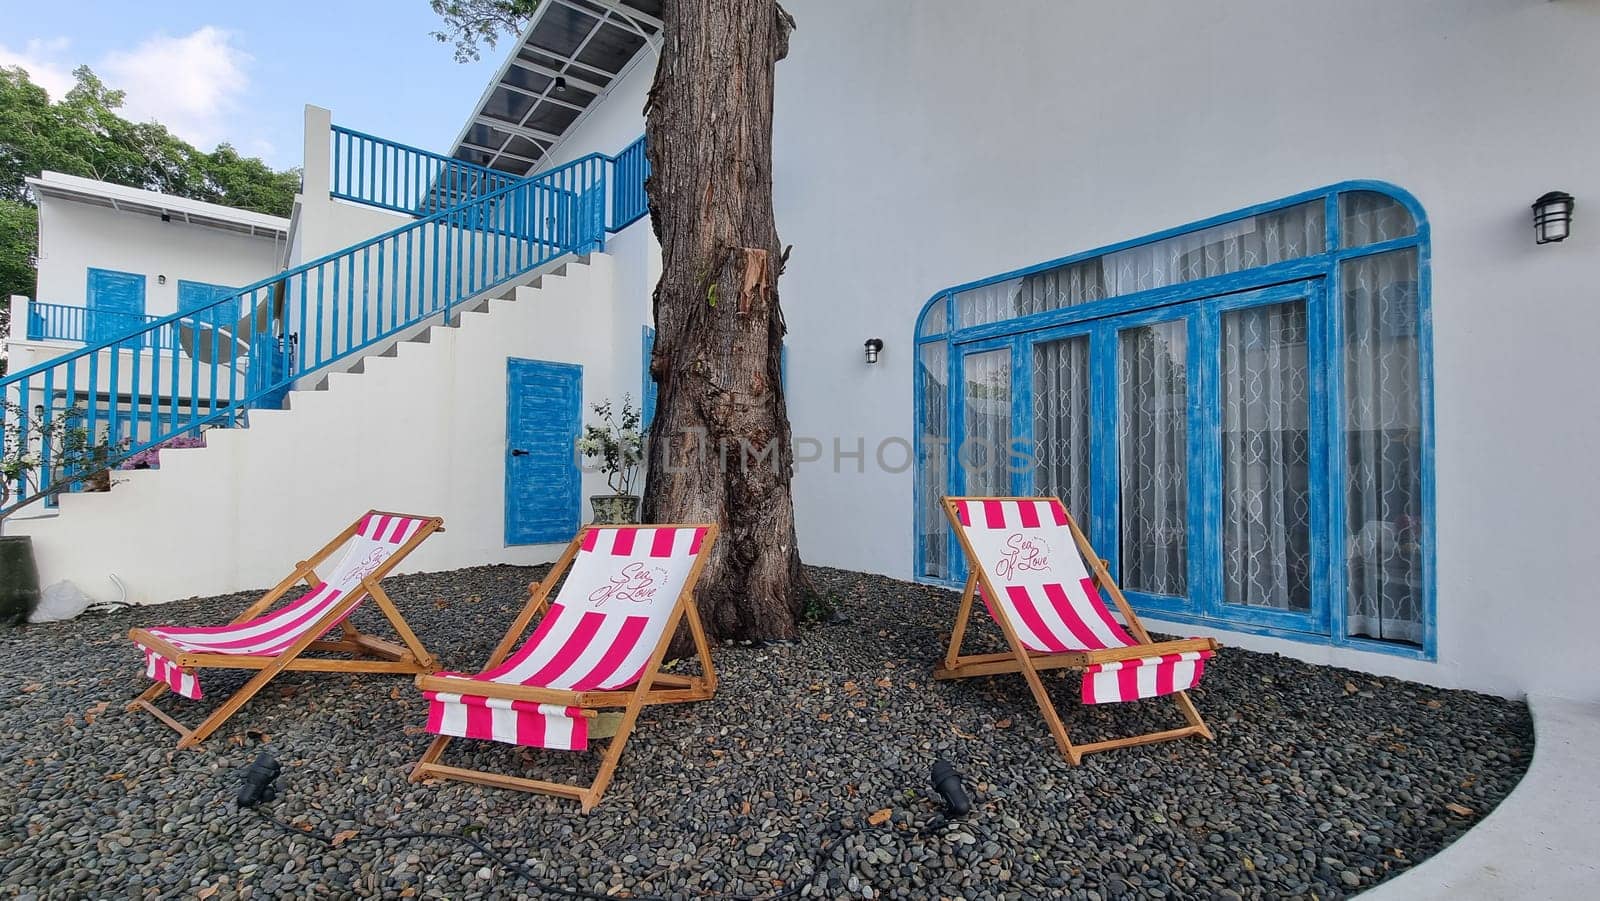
(417, 426)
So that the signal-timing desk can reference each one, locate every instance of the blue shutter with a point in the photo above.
(115, 306)
(195, 295)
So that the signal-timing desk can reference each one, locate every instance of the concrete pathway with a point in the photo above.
(1543, 841)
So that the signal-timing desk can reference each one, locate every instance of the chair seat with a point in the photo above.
(1143, 677)
(515, 722)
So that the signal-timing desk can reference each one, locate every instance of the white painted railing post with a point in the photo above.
(19, 317)
(317, 155)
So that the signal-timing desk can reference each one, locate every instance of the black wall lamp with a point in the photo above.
(1552, 217)
(874, 346)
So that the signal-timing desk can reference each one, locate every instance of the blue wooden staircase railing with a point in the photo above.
(176, 374)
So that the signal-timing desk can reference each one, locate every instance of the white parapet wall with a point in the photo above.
(423, 431)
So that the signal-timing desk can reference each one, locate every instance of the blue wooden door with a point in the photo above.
(115, 307)
(543, 416)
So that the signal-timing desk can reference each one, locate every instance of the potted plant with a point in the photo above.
(618, 448)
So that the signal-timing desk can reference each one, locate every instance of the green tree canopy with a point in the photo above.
(83, 134)
(469, 23)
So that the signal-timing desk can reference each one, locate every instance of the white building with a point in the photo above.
(1255, 288)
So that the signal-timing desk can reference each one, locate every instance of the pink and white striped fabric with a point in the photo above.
(1146, 677)
(377, 537)
(596, 635)
(1050, 599)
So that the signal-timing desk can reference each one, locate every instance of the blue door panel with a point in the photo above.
(195, 295)
(543, 417)
(115, 305)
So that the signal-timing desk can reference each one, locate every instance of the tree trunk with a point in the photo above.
(720, 448)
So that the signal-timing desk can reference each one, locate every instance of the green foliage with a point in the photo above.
(19, 239)
(71, 457)
(616, 443)
(817, 607)
(469, 23)
(82, 134)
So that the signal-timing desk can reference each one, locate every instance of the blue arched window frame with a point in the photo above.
(936, 324)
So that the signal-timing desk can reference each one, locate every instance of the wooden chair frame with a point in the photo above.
(1030, 663)
(653, 687)
(368, 653)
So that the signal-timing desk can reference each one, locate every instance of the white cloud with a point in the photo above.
(43, 62)
(190, 84)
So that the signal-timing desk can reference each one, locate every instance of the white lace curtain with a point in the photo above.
(1061, 423)
(1383, 446)
(1152, 446)
(1266, 496)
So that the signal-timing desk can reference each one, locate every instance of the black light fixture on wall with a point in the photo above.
(1552, 217)
(874, 346)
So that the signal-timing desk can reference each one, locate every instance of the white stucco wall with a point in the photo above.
(920, 145)
(421, 432)
(74, 237)
(608, 127)
(923, 144)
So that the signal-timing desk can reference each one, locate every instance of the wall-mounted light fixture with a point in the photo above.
(561, 83)
(161, 279)
(1552, 217)
(874, 346)
(166, 217)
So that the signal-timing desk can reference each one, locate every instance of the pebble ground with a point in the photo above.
(1322, 781)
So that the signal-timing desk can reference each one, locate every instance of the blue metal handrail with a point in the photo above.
(60, 322)
(630, 168)
(393, 176)
(301, 320)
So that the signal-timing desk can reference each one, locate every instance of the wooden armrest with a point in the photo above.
(1155, 649)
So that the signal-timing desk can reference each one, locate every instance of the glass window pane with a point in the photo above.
(1153, 447)
(1368, 217)
(1061, 423)
(1266, 493)
(1383, 447)
(936, 320)
(933, 374)
(986, 398)
(1260, 240)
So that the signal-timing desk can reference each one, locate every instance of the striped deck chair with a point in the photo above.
(599, 645)
(272, 642)
(1026, 558)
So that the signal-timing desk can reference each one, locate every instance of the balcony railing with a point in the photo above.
(382, 173)
(629, 169)
(59, 322)
(298, 321)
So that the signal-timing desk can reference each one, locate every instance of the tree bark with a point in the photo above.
(720, 448)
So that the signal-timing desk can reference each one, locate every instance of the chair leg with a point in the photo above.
(1181, 698)
(952, 656)
(1052, 720)
(228, 708)
(148, 695)
(613, 755)
(430, 756)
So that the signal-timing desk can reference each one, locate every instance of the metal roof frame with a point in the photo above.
(613, 18)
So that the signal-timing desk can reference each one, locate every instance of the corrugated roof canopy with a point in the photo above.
(524, 112)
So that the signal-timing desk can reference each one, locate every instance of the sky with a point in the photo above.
(243, 72)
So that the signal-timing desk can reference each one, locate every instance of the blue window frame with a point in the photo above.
(1320, 300)
(647, 385)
